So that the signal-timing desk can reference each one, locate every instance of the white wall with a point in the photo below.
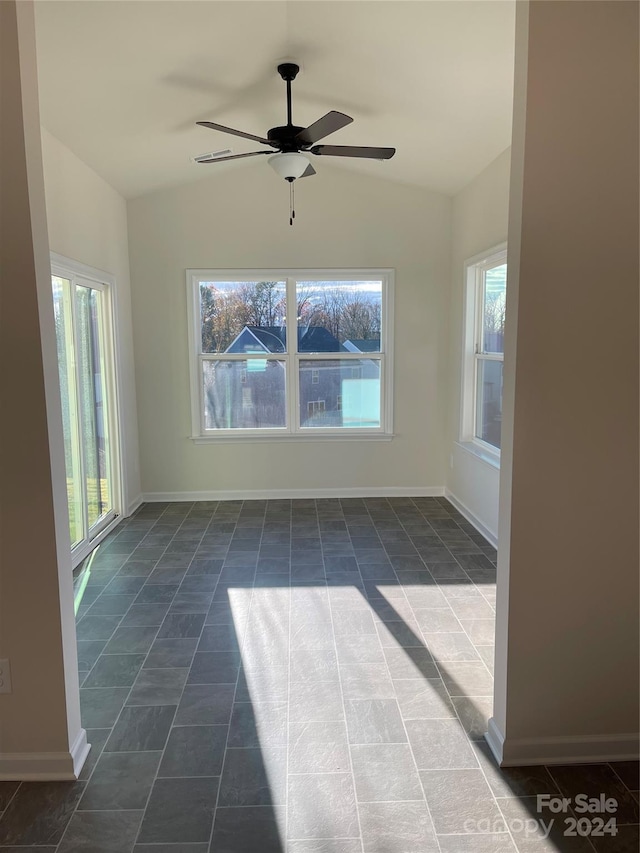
(87, 222)
(239, 219)
(479, 222)
(567, 606)
(40, 729)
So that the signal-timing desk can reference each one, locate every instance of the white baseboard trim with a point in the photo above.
(292, 494)
(494, 738)
(45, 766)
(489, 535)
(134, 504)
(581, 749)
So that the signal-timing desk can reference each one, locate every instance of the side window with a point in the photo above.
(486, 282)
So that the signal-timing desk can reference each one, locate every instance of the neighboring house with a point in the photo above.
(252, 394)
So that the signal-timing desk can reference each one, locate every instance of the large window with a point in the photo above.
(296, 353)
(82, 311)
(484, 350)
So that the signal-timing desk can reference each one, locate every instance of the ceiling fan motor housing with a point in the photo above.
(285, 137)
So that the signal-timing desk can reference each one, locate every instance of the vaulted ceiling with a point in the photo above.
(123, 83)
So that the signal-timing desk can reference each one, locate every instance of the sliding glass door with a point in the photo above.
(86, 384)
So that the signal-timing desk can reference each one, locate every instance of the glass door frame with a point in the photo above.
(84, 276)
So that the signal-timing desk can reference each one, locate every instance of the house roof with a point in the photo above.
(358, 345)
(272, 339)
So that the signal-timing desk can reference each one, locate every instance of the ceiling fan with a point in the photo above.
(294, 143)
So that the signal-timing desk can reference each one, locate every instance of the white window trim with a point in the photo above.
(471, 336)
(72, 270)
(293, 432)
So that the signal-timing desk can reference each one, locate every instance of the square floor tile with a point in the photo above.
(205, 704)
(114, 671)
(100, 706)
(460, 801)
(322, 806)
(267, 684)
(594, 779)
(539, 832)
(214, 668)
(248, 829)
(101, 832)
(183, 625)
(440, 744)
(254, 777)
(121, 780)
(467, 678)
(318, 747)
(423, 699)
(384, 773)
(141, 729)
(260, 724)
(366, 681)
(158, 687)
(410, 663)
(145, 614)
(313, 665)
(171, 652)
(88, 653)
(131, 640)
(397, 827)
(193, 751)
(320, 701)
(179, 810)
(374, 721)
(39, 812)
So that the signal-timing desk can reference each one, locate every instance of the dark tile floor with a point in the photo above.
(300, 676)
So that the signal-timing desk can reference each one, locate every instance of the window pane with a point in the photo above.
(340, 393)
(489, 401)
(246, 394)
(243, 316)
(92, 399)
(495, 292)
(68, 395)
(339, 316)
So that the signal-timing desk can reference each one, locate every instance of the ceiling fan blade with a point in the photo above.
(213, 126)
(329, 123)
(232, 157)
(308, 172)
(354, 151)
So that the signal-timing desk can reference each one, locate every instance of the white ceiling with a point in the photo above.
(123, 83)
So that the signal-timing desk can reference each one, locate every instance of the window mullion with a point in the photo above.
(292, 355)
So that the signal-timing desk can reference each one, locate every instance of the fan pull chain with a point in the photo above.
(292, 200)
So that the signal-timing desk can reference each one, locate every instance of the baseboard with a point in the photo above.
(45, 766)
(494, 738)
(134, 504)
(293, 494)
(582, 749)
(489, 535)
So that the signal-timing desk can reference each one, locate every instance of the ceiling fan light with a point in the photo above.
(290, 165)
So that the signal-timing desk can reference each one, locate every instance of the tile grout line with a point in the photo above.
(162, 751)
(86, 782)
(344, 708)
(415, 763)
(235, 690)
(171, 727)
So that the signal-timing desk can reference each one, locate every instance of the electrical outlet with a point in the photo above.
(5, 676)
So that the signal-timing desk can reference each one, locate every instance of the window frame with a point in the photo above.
(475, 270)
(79, 273)
(292, 431)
